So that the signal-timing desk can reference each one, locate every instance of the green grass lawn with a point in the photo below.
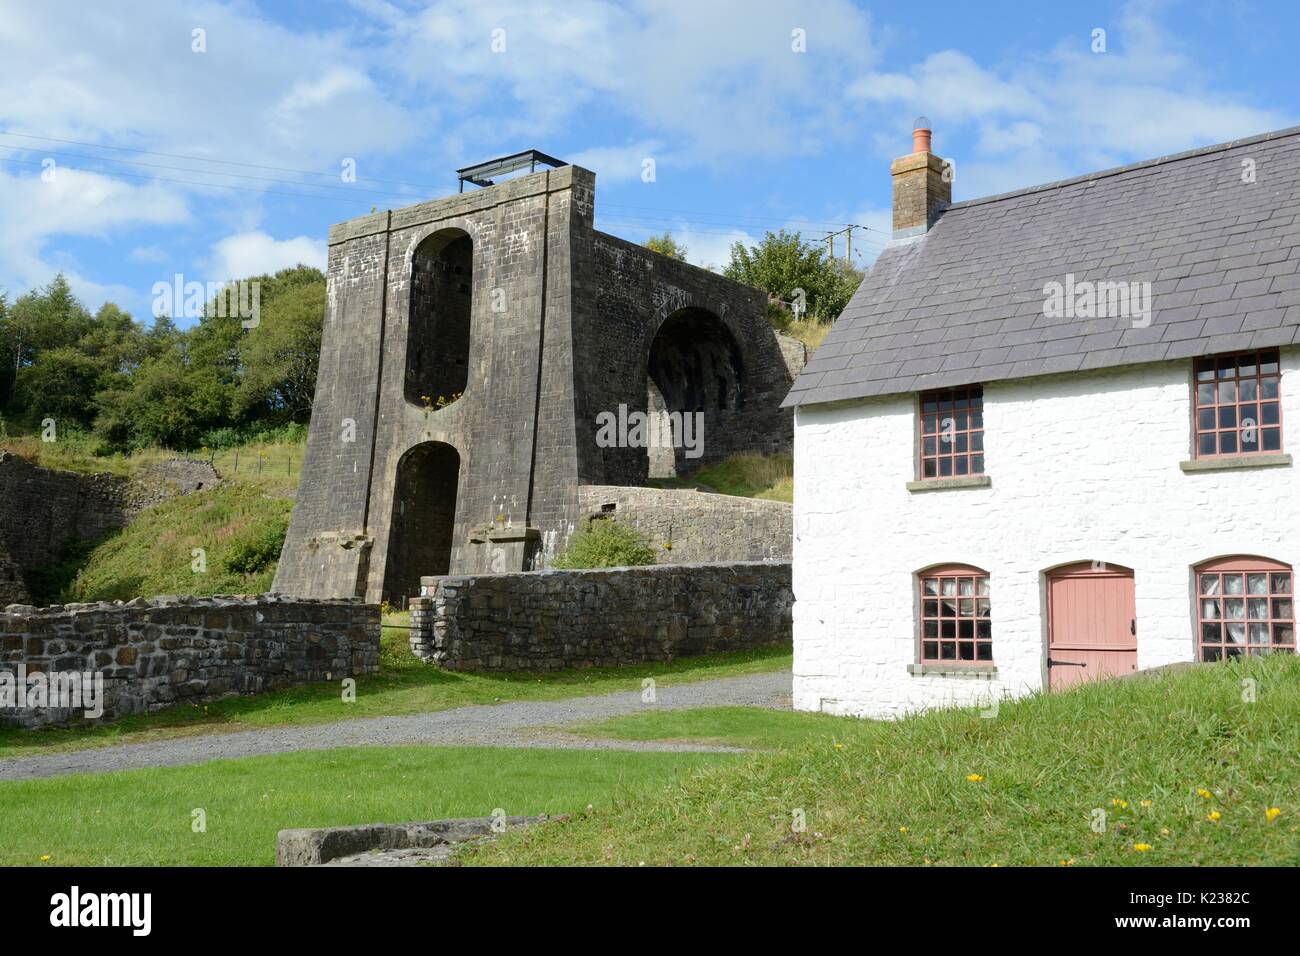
(755, 728)
(1184, 769)
(144, 817)
(405, 685)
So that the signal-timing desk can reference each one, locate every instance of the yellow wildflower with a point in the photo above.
(1203, 793)
(974, 777)
(1213, 816)
(1272, 813)
(1141, 847)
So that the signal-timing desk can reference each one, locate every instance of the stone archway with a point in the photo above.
(694, 369)
(423, 523)
(438, 333)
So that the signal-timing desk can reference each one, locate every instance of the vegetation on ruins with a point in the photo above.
(666, 245)
(605, 543)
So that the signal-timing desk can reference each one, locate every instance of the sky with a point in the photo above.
(139, 140)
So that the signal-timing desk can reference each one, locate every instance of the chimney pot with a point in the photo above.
(921, 135)
(922, 186)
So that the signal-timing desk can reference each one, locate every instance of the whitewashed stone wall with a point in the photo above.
(1084, 467)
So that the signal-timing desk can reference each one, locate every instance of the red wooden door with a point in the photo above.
(1092, 624)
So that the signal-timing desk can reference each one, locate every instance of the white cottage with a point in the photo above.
(1047, 439)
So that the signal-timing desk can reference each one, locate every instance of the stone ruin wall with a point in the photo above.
(691, 527)
(169, 650)
(553, 620)
(44, 510)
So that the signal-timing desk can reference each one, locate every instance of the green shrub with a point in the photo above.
(259, 550)
(605, 544)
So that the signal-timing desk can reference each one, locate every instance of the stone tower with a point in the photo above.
(469, 346)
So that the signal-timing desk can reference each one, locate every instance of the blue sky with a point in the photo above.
(227, 162)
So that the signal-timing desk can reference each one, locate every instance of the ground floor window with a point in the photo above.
(1244, 606)
(955, 620)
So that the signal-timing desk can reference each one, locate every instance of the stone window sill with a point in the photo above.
(953, 670)
(950, 484)
(1233, 462)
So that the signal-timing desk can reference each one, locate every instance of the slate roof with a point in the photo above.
(964, 304)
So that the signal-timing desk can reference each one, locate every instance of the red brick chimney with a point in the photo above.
(921, 188)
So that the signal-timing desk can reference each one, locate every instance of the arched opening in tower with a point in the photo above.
(438, 335)
(694, 391)
(424, 519)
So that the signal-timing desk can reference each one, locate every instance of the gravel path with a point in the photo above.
(519, 724)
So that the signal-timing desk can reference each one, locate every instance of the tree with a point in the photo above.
(783, 263)
(280, 356)
(62, 386)
(666, 245)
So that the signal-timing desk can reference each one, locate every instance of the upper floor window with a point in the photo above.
(952, 433)
(1238, 410)
(955, 620)
(1244, 606)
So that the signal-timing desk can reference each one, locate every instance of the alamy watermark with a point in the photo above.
(64, 690)
(637, 429)
(1098, 300)
(192, 300)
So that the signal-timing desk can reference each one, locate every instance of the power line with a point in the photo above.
(208, 172)
(188, 182)
(811, 222)
(624, 220)
(223, 162)
(391, 182)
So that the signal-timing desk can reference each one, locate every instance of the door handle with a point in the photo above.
(1133, 627)
(1052, 663)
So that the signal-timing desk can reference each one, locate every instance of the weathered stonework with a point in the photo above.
(156, 653)
(469, 345)
(13, 590)
(43, 510)
(689, 527)
(552, 620)
(922, 190)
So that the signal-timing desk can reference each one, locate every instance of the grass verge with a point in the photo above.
(145, 817)
(755, 728)
(1174, 769)
(405, 685)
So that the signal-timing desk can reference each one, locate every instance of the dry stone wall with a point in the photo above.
(689, 527)
(551, 620)
(157, 653)
(13, 590)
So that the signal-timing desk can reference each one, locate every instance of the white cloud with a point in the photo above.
(256, 253)
(1065, 112)
(619, 163)
(150, 255)
(711, 249)
(73, 203)
(719, 77)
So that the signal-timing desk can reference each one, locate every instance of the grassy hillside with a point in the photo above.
(749, 475)
(239, 526)
(1176, 769)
